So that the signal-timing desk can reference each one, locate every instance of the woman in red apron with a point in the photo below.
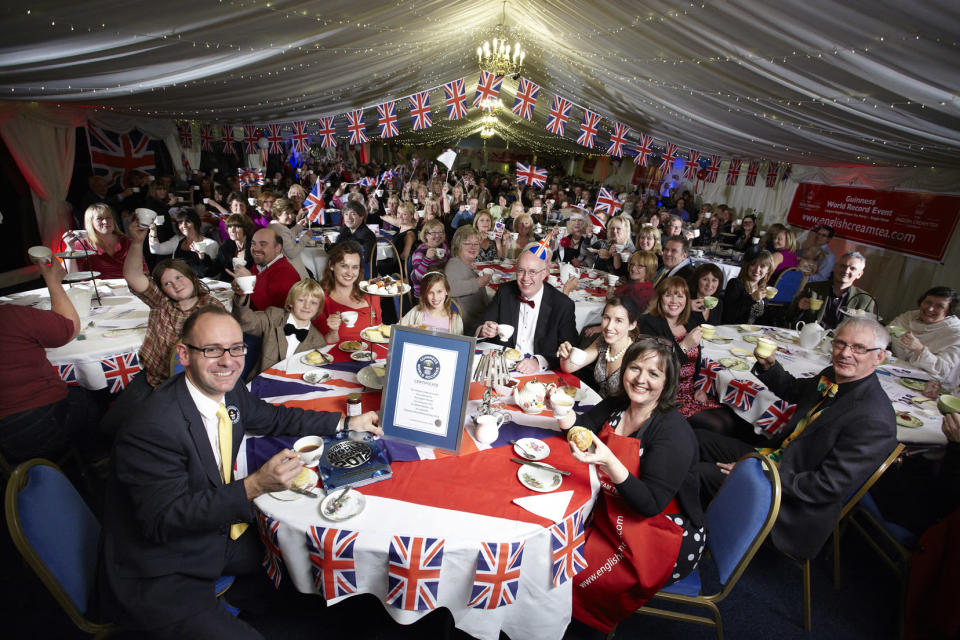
(647, 529)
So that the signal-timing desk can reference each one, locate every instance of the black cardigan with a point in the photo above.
(670, 454)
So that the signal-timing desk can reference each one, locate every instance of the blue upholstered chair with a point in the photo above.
(738, 520)
(788, 284)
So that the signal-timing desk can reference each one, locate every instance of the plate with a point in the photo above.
(349, 346)
(369, 378)
(352, 504)
(741, 353)
(858, 313)
(402, 289)
(719, 340)
(327, 359)
(72, 255)
(748, 328)
(537, 479)
(374, 336)
(316, 377)
(113, 301)
(532, 448)
(119, 333)
(734, 364)
(361, 356)
(288, 495)
(913, 383)
(784, 337)
(907, 419)
(752, 338)
(80, 276)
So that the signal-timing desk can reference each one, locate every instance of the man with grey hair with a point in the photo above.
(842, 428)
(822, 301)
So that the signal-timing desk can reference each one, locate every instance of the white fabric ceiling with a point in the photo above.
(806, 81)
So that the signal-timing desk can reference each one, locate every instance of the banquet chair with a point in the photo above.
(788, 284)
(738, 520)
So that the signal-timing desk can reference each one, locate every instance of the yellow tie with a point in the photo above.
(225, 438)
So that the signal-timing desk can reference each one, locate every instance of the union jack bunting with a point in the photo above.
(414, 572)
(618, 138)
(67, 373)
(301, 139)
(275, 139)
(772, 170)
(420, 111)
(488, 87)
(644, 150)
(119, 370)
(206, 137)
(693, 165)
(314, 205)
(741, 394)
(328, 133)
(707, 380)
(786, 173)
(589, 127)
(526, 99)
(669, 155)
(733, 171)
(567, 542)
(608, 202)
(387, 119)
(250, 139)
(497, 579)
(776, 417)
(250, 177)
(271, 562)
(714, 169)
(529, 174)
(752, 170)
(559, 112)
(114, 155)
(542, 248)
(356, 126)
(186, 134)
(332, 561)
(456, 97)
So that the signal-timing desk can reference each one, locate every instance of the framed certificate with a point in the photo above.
(426, 387)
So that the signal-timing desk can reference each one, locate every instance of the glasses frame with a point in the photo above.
(856, 349)
(217, 352)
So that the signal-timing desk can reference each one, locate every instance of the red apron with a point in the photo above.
(629, 556)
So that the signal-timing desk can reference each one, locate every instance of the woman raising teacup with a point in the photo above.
(618, 327)
(345, 310)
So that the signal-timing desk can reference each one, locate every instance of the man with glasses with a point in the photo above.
(175, 517)
(818, 244)
(843, 427)
(832, 296)
(542, 318)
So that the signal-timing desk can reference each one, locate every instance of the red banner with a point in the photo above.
(911, 222)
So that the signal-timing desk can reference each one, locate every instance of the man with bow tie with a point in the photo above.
(843, 427)
(542, 317)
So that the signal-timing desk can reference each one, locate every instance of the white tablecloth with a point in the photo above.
(765, 410)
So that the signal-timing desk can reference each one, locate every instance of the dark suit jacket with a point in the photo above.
(363, 237)
(556, 322)
(833, 456)
(167, 513)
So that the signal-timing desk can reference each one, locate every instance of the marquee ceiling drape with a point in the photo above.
(811, 82)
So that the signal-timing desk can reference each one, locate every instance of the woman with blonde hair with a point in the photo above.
(648, 239)
(744, 300)
(785, 250)
(105, 245)
(522, 235)
(618, 240)
(491, 248)
(573, 246)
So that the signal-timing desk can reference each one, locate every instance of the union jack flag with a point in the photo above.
(250, 177)
(588, 129)
(559, 112)
(772, 171)
(669, 155)
(186, 134)
(206, 137)
(67, 373)
(328, 132)
(435, 172)
(618, 138)
(119, 370)
(271, 562)
(332, 561)
(414, 573)
(314, 205)
(497, 579)
(693, 165)
(356, 126)
(752, 170)
(733, 171)
(741, 393)
(526, 99)
(644, 150)
(386, 176)
(275, 139)
(776, 417)
(714, 169)
(707, 380)
(301, 139)
(529, 174)
(250, 139)
(608, 202)
(367, 182)
(456, 99)
(387, 119)
(420, 111)
(567, 542)
(786, 173)
(228, 140)
(488, 87)
(114, 155)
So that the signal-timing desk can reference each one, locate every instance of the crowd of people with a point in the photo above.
(663, 447)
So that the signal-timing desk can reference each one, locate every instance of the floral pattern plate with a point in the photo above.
(537, 479)
(531, 448)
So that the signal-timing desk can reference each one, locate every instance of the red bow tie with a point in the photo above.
(528, 301)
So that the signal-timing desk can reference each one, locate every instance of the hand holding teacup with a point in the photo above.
(697, 305)
(765, 352)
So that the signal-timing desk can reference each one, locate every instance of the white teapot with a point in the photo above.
(811, 334)
(531, 396)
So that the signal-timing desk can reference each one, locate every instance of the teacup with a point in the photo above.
(577, 356)
(309, 448)
(709, 302)
(948, 404)
(895, 331)
(707, 331)
(771, 292)
(488, 427)
(252, 201)
(562, 403)
(765, 347)
(40, 255)
(332, 236)
(496, 277)
(612, 279)
(349, 318)
(815, 304)
(145, 216)
(504, 331)
(246, 283)
(159, 220)
(441, 252)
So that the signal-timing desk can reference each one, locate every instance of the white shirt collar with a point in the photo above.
(270, 264)
(205, 405)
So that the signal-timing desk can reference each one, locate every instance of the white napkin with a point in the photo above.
(552, 506)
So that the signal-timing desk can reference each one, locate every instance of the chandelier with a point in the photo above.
(488, 125)
(501, 58)
(491, 105)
